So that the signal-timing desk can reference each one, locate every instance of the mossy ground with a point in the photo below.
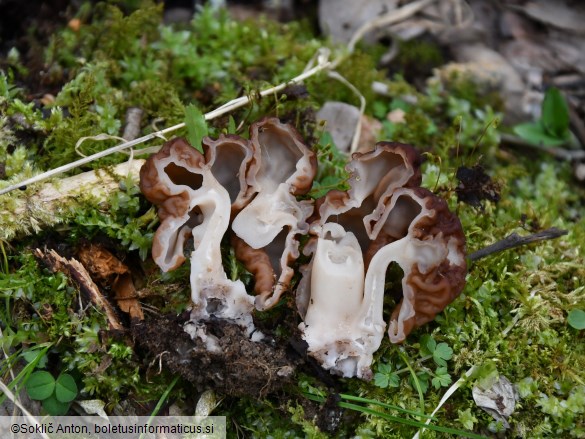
(510, 320)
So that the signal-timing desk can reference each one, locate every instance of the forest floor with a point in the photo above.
(493, 98)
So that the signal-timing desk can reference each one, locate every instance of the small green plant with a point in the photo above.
(385, 377)
(196, 126)
(441, 352)
(331, 172)
(576, 318)
(56, 394)
(552, 129)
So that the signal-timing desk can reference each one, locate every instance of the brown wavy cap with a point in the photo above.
(154, 189)
(443, 221)
(335, 198)
(391, 165)
(159, 193)
(442, 285)
(256, 262)
(408, 152)
(289, 137)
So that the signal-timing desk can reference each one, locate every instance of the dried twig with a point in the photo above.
(515, 240)
(133, 120)
(561, 153)
(323, 64)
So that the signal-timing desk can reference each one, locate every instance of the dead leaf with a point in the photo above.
(100, 262)
(110, 271)
(397, 116)
(499, 400)
(369, 133)
(341, 120)
(340, 19)
(94, 407)
(126, 296)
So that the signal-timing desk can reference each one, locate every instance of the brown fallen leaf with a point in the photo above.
(101, 263)
(107, 269)
(370, 130)
(126, 296)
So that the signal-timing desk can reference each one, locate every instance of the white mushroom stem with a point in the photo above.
(195, 205)
(339, 335)
(212, 293)
(407, 253)
(344, 322)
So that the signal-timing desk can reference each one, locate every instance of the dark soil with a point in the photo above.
(241, 368)
(475, 186)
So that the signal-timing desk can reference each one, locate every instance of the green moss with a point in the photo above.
(417, 58)
(511, 317)
(359, 69)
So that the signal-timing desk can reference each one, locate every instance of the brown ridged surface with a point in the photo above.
(256, 262)
(437, 288)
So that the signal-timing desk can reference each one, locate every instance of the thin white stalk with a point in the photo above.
(450, 391)
(12, 397)
(228, 107)
(358, 126)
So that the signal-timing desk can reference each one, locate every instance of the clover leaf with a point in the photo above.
(40, 385)
(423, 381)
(385, 378)
(576, 318)
(441, 352)
(65, 388)
(441, 378)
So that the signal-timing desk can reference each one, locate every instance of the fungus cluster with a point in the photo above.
(385, 217)
(248, 190)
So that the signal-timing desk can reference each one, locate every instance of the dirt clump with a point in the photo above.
(475, 186)
(234, 366)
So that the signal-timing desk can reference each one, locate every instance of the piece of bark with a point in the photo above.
(25, 213)
(77, 272)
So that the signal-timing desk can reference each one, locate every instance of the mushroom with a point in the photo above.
(196, 195)
(383, 218)
(267, 228)
(431, 253)
(334, 327)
